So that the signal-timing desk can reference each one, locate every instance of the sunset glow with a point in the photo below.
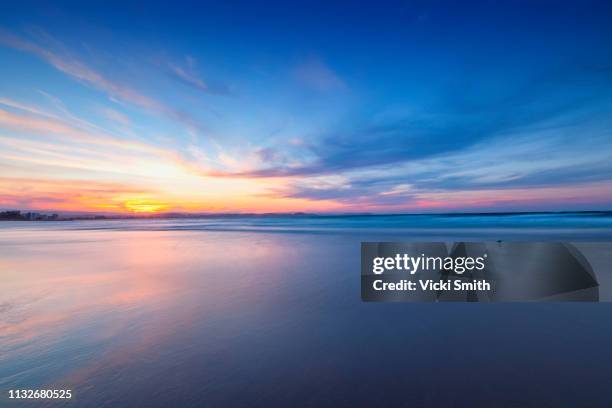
(130, 123)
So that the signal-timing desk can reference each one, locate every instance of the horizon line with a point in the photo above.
(167, 215)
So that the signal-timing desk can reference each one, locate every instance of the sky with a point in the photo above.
(321, 107)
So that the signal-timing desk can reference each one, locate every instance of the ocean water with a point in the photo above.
(266, 311)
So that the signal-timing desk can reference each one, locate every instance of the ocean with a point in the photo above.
(266, 311)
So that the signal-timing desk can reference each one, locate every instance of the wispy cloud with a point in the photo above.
(74, 67)
(314, 73)
(116, 116)
(47, 125)
(74, 195)
(507, 138)
(186, 74)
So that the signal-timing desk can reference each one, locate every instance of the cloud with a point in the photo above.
(550, 118)
(371, 198)
(66, 195)
(49, 126)
(186, 74)
(319, 76)
(115, 116)
(536, 145)
(268, 155)
(79, 70)
(520, 161)
(33, 139)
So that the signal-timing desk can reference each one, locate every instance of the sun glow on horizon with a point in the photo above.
(139, 205)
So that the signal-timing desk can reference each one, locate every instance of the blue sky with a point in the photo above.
(304, 106)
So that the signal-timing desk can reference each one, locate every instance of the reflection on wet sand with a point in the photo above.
(102, 299)
(151, 317)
